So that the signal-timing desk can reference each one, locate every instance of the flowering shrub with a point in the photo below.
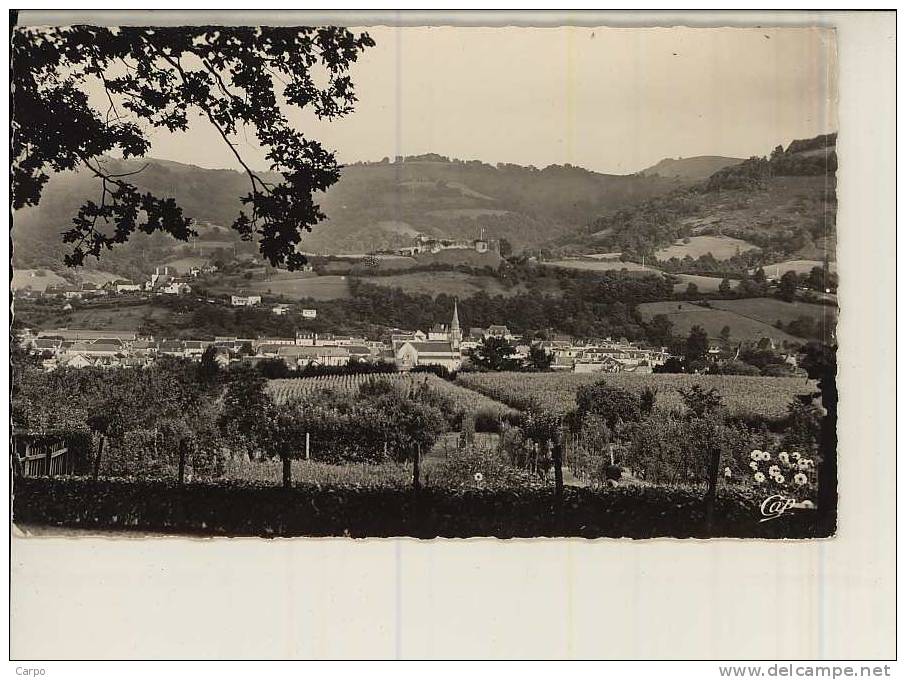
(792, 474)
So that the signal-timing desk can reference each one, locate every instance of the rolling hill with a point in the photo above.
(374, 206)
(694, 168)
(784, 205)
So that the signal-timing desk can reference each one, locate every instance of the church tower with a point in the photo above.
(455, 331)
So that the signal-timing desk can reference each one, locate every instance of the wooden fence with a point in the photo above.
(41, 457)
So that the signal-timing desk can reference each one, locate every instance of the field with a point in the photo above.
(184, 264)
(36, 279)
(721, 247)
(380, 262)
(685, 315)
(118, 316)
(97, 277)
(799, 266)
(602, 265)
(452, 283)
(462, 399)
(769, 310)
(706, 284)
(766, 397)
(301, 287)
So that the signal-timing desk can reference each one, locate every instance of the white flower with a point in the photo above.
(800, 479)
(794, 455)
(779, 479)
(807, 504)
(774, 470)
(784, 457)
(478, 476)
(803, 464)
(755, 455)
(809, 463)
(765, 455)
(759, 477)
(727, 472)
(754, 466)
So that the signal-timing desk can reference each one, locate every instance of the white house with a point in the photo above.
(245, 300)
(126, 286)
(309, 313)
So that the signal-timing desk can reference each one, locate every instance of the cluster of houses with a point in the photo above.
(443, 345)
(162, 281)
(429, 244)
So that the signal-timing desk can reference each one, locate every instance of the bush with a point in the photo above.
(611, 403)
(671, 451)
(248, 509)
(487, 420)
(476, 468)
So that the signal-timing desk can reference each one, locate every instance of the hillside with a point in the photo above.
(777, 208)
(374, 206)
(694, 168)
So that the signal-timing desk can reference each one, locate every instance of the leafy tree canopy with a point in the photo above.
(160, 78)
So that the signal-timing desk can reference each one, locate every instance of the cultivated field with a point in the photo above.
(452, 283)
(462, 399)
(557, 391)
(769, 310)
(778, 269)
(721, 247)
(685, 315)
(116, 315)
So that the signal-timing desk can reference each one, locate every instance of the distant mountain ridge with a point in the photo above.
(693, 168)
(784, 203)
(374, 206)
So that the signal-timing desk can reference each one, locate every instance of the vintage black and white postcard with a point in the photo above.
(361, 280)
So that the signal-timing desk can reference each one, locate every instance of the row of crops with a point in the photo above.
(556, 392)
(460, 398)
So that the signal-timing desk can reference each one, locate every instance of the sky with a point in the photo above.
(614, 100)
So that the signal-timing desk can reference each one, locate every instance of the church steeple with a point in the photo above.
(455, 332)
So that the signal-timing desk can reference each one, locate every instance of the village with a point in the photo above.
(444, 345)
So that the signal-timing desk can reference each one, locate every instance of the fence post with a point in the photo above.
(182, 461)
(97, 459)
(711, 496)
(287, 472)
(557, 451)
(48, 456)
(307, 446)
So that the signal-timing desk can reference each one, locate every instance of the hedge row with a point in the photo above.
(222, 509)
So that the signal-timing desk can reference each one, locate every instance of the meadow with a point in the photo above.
(36, 279)
(451, 283)
(705, 284)
(302, 287)
(684, 315)
(778, 269)
(721, 247)
(770, 310)
(556, 392)
(602, 266)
